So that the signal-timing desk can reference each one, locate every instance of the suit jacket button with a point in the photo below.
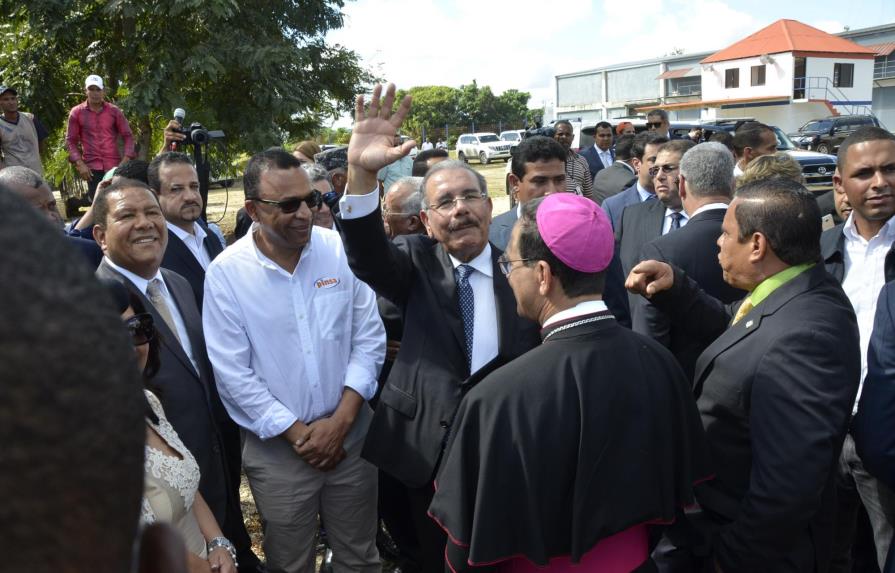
(444, 424)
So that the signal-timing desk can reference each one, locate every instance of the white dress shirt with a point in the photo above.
(864, 278)
(142, 284)
(605, 157)
(484, 332)
(285, 345)
(666, 221)
(708, 207)
(580, 309)
(194, 241)
(644, 194)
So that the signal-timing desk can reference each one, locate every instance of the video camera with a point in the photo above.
(546, 131)
(198, 135)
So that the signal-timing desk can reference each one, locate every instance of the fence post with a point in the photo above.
(472, 129)
(499, 126)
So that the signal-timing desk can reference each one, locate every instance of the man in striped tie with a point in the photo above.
(775, 389)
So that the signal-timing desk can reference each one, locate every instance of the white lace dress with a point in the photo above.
(170, 483)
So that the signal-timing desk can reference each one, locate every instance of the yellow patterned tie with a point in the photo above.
(743, 310)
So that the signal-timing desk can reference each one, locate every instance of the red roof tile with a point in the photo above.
(882, 50)
(789, 36)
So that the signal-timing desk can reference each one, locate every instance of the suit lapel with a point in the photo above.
(441, 275)
(179, 249)
(505, 302)
(212, 244)
(185, 301)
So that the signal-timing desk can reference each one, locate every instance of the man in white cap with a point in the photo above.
(93, 130)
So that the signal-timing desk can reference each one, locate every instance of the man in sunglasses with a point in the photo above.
(191, 246)
(657, 122)
(296, 342)
(646, 221)
(459, 313)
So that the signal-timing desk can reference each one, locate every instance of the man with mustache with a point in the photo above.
(191, 247)
(459, 312)
(859, 253)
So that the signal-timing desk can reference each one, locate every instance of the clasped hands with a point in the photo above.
(320, 442)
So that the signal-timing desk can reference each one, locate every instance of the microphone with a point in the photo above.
(179, 116)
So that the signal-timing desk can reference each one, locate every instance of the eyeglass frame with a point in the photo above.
(505, 264)
(654, 124)
(314, 196)
(141, 324)
(666, 169)
(453, 202)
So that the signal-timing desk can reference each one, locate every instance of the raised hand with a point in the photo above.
(372, 144)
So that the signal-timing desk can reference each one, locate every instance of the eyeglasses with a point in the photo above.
(387, 213)
(654, 124)
(506, 266)
(666, 169)
(292, 205)
(446, 205)
(141, 328)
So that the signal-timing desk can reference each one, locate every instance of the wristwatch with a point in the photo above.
(226, 544)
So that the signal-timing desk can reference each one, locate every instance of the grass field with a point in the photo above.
(224, 203)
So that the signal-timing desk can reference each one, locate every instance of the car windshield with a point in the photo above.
(488, 138)
(784, 143)
(821, 125)
(510, 136)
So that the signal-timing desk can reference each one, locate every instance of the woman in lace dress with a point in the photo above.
(171, 482)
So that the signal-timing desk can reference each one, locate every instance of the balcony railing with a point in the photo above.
(884, 68)
(684, 90)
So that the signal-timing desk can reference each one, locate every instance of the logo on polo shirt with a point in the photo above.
(326, 283)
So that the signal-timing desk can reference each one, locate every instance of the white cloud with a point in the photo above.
(830, 26)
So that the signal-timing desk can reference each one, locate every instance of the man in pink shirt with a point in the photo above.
(92, 139)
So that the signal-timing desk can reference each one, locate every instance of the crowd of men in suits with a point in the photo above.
(418, 304)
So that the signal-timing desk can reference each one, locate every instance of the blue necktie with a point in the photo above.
(676, 218)
(467, 306)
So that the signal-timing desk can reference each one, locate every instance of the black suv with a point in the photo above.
(817, 168)
(825, 135)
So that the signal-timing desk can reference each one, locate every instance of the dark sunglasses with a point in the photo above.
(313, 201)
(666, 169)
(654, 124)
(141, 328)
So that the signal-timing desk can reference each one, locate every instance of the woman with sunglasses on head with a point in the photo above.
(171, 480)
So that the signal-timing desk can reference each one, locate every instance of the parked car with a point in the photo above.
(514, 136)
(817, 168)
(825, 135)
(485, 147)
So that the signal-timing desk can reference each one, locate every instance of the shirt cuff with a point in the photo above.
(357, 206)
(358, 379)
(275, 421)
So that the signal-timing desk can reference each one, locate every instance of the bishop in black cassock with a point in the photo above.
(571, 452)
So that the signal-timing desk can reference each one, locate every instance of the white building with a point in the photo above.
(784, 74)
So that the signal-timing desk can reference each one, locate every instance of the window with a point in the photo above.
(732, 78)
(758, 75)
(843, 75)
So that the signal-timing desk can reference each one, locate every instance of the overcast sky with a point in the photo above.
(523, 44)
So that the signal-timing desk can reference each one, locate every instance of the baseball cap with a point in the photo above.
(577, 231)
(94, 80)
(4, 89)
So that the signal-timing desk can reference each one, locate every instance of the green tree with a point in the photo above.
(260, 71)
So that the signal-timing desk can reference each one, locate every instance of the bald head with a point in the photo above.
(33, 189)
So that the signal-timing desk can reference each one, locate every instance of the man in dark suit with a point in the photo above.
(860, 253)
(191, 246)
(649, 220)
(618, 176)
(706, 188)
(644, 150)
(538, 169)
(600, 155)
(459, 312)
(774, 389)
(36, 192)
(131, 230)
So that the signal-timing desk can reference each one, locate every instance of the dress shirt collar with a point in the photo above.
(198, 232)
(267, 263)
(481, 263)
(644, 194)
(580, 309)
(684, 217)
(138, 281)
(736, 170)
(707, 207)
(851, 234)
(626, 164)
